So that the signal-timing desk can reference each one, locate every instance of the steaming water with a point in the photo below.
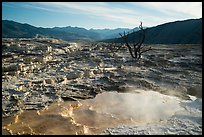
(91, 116)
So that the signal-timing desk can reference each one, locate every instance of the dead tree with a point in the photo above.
(136, 48)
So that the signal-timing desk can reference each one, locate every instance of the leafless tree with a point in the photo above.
(136, 48)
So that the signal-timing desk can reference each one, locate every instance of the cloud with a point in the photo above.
(155, 13)
(174, 9)
(4, 4)
(97, 10)
(127, 13)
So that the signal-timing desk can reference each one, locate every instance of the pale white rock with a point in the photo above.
(21, 65)
(47, 58)
(22, 88)
(49, 49)
(64, 81)
(26, 68)
(7, 44)
(110, 69)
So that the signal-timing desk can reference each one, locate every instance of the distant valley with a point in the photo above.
(13, 29)
(178, 32)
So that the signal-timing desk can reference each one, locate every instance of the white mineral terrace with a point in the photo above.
(51, 86)
(108, 110)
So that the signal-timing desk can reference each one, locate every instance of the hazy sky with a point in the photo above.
(99, 14)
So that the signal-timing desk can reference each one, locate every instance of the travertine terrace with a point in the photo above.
(40, 71)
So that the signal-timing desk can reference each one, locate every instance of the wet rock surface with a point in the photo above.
(184, 122)
(38, 72)
(135, 112)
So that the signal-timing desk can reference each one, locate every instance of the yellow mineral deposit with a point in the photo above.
(92, 116)
(16, 119)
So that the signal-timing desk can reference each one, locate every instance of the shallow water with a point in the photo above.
(92, 116)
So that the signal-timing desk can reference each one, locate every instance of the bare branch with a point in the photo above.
(119, 47)
(125, 37)
(150, 48)
(137, 47)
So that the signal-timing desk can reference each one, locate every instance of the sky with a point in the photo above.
(99, 15)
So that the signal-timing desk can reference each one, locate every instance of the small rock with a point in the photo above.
(48, 81)
(88, 73)
(75, 75)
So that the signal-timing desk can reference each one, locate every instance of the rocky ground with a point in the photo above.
(38, 72)
(184, 122)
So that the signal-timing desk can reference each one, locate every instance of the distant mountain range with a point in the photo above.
(11, 29)
(178, 32)
(111, 33)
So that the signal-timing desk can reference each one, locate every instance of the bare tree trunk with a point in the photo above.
(137, 47)
(125, 38)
